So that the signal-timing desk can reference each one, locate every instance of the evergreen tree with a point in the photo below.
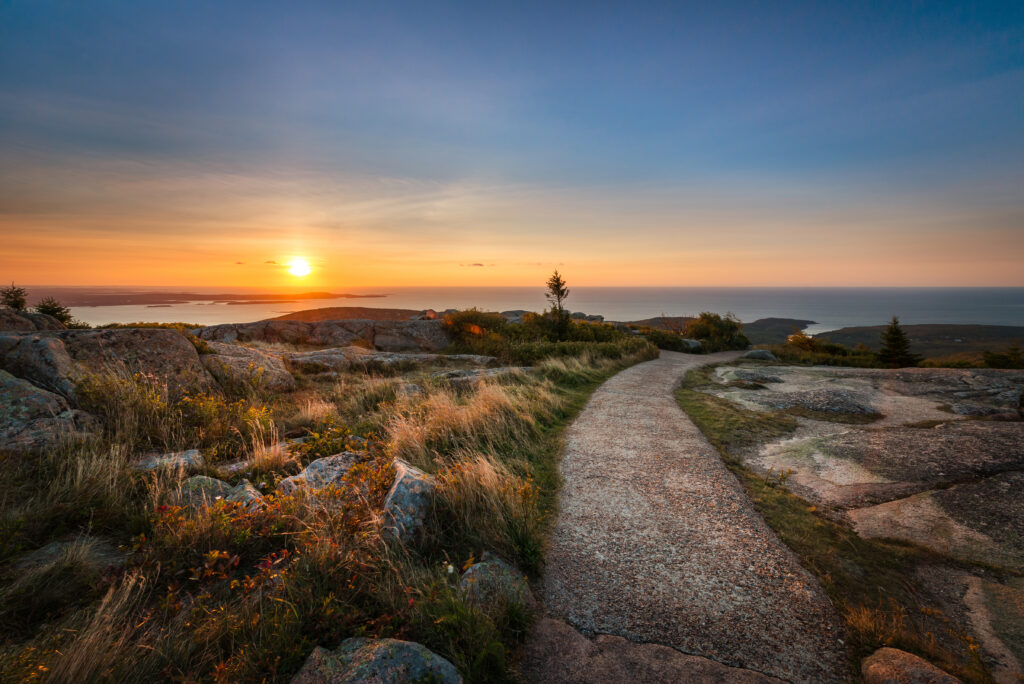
(557, 293)
(895, 351)
(13, 297)
(51, 307)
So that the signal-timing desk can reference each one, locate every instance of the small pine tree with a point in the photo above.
(895, 351)
(557, 293)
(51, 307)
(13, 297)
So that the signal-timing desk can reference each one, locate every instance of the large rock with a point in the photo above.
(405, 507)
(892, 666)
(240, 368)
(25, 321)
(760, 355)
(32, 419)
(492, 582)
(321, 473)
(394, 336)
(59, 360)
(376, 661)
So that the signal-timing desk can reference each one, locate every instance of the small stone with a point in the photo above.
(183, 460)
(492, 582)
(378, 661)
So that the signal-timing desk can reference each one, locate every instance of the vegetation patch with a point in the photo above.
(226, 591)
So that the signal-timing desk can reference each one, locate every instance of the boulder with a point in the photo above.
(41, 359)
(200, 490)
(32, 419)
(405, 507)
(376, 661)
(178, 460)
(492, 582)
(236, 367)
(760, 355)
(692, 346)
(321, 473)
(25, 321)
(892, 666)
(59, 360)
(395, 336)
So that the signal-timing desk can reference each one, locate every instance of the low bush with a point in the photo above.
(717, 332)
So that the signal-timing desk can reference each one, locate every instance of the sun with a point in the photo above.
(299, 267)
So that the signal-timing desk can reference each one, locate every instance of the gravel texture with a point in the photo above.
(656, 541)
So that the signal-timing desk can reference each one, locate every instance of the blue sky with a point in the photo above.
(646, 140)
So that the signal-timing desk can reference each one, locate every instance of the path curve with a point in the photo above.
(657, 542)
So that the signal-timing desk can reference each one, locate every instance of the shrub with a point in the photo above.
(13, 297)
(51, 307)
(717, 332)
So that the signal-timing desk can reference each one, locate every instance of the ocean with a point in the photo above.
(829, 308)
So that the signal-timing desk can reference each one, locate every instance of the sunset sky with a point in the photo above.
(477, 143)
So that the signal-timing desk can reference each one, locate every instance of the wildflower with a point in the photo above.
(451, 569)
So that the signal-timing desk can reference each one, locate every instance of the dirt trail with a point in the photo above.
(656, 542)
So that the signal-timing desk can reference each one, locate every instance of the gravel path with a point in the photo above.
(656, 541)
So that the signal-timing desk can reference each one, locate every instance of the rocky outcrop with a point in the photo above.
(493, 582)
(393, 336)
(470, 376)
(819, 400)
(323, 472)
(892, 666)
(32, 419)
(590, 318)
(760, 355)
(25, 321)
(405, 507)
(240, 368)
(345, 358)
(557, 654)
(59, 360)
(383, 661)
(179, 460)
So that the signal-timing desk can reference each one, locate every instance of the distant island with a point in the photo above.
(75, 297)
